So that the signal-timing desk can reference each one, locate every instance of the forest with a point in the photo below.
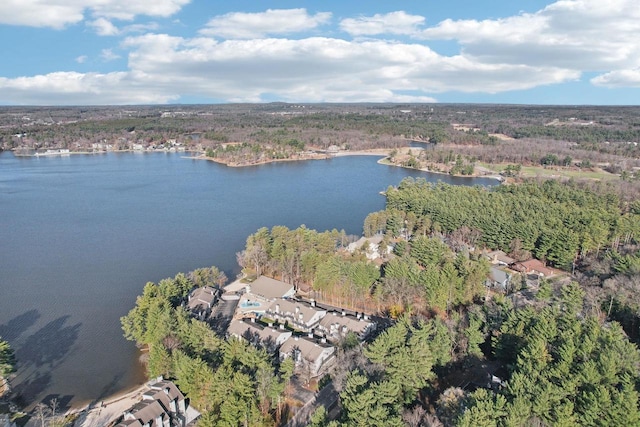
(562, 351)
(594, 144)
(453, 351)
(230, 382)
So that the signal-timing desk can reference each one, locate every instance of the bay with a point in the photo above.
(82, 234)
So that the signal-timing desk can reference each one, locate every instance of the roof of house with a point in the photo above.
(146, 412)
(270, 288)
(351, 323)
(309, 350)
(500, 256)
(199, 296)
(296, 308)
(164, 392)
(239, 328)
(535, 265)
(498, 275)
(129, 423)
(373, 240)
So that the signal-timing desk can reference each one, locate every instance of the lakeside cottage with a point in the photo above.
(270, 289)
(201, 300)
(163, 405)
(372, 244)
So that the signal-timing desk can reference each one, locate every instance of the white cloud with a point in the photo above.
(322, 69)
(82, 59)
(104, 27)
(61, 13)
(552, 46)
(140, 28)
(398, 22)
(242, 25)
(108, 55)
(587, 35)
(70, 88)
(618, 79)
(162, 68)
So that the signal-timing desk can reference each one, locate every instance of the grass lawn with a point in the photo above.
(533, 171)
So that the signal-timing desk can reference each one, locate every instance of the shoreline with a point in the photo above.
(474, 175)
(104, 411)
(319, 156)
(17, 153)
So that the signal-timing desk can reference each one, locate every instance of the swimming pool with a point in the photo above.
(249, 304)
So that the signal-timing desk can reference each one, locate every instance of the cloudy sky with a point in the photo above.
(70, 52)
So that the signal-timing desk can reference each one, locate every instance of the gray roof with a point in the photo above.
(309, 350)
(202, 297)
(146, 412)
(239, 328)
(295, 309)
(498, 275)
(501, 257)
(269, 288)
(351, 323)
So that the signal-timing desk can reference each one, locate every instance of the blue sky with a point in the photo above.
(91, 52)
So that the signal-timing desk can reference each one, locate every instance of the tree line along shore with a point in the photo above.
(581, 143)
(470, 333)
(453, 347)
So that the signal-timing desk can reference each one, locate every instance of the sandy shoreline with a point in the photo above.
(101, 413)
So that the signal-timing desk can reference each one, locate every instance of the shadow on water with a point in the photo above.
(109, 389)
(19, 325)
(62, 402)
(28, 388)
(49, 345)
(40, 353)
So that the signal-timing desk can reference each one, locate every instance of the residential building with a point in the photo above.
(270, 289)
(498, 279)
(258, 334)
(201, 300)
(295, 314)
(372, 246)
(308, 355)
(163, 405)
(335, 326)
(533, 266)
(500, 258)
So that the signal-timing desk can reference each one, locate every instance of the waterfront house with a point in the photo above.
(336, 326)
(146, 414)
(258, 334)
(201, 300)
(308, 355)
(372, 245)
(162, 405)
(270, 289)
(295, 314)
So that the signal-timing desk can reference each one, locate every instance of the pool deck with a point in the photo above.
(242, 310)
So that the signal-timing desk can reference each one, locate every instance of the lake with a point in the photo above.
(82, 234)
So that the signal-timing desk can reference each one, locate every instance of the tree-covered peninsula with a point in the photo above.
(454, 346)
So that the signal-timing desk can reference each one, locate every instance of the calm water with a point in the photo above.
(81, 236)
